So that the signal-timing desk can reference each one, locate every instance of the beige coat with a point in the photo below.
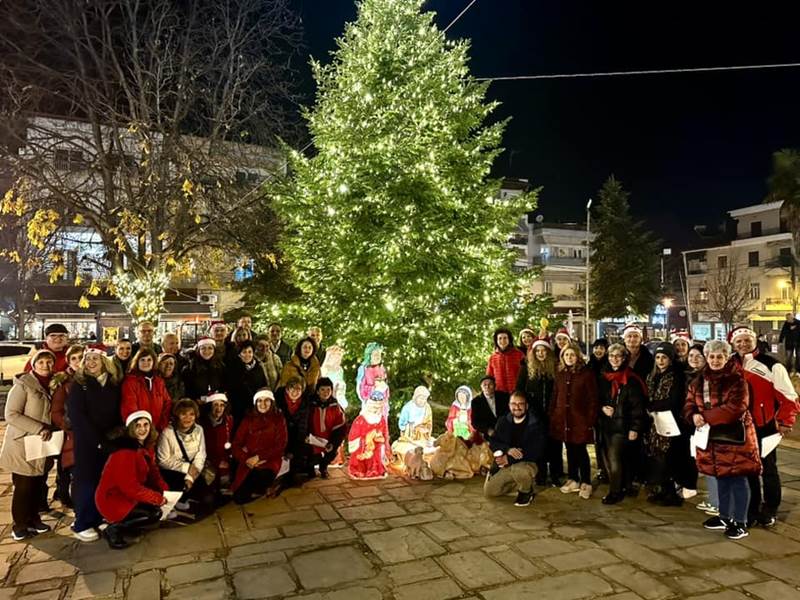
(27, 413)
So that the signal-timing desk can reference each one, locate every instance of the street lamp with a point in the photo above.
(586, 328)
(667, 304)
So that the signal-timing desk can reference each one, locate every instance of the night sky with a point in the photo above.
(687, 146)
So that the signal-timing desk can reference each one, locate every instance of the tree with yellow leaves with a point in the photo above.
(167, 113)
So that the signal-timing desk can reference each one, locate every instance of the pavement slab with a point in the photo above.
(397, 539)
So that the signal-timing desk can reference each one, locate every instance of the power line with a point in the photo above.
(640, 72)
(453, 22)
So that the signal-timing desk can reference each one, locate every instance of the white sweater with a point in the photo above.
(169, 453)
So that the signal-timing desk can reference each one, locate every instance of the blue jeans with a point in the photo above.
(734, 498)
(713, 493)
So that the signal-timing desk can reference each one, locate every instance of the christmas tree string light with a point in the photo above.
(393, 230)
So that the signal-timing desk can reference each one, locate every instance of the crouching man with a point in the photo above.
(517, 444)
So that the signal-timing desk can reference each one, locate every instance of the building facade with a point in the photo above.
(747, 280)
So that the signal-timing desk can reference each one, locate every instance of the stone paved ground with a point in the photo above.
(341, 540)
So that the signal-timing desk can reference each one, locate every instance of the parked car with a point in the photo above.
(13, 356)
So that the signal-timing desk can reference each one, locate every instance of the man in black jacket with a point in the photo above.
(488, 407)
(790, 336)
(518, 442)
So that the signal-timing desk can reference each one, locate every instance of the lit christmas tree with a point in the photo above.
(393, 231)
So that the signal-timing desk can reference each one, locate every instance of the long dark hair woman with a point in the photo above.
(131, 489)
(666, 389)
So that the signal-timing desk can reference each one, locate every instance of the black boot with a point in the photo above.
(115, 538)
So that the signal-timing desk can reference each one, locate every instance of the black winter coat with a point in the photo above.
(644, 364)
(629, 407)
(296, 424)
(533, 441)
(483, 419)
(539, 393)
(94, 411)
(243, 383)
(203, 377)
(667, 391)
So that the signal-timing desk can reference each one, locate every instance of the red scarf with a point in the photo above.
(620, 378)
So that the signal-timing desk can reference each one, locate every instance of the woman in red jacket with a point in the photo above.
(505, 362)
(718, 397)
(573, 414)
(144, 389)
(258, 448)
(131, 488)
(218, 431)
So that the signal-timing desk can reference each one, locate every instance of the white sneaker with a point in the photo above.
(182, 505)
(585, 491)
(87, 535)
(570, 487)
(686, 493)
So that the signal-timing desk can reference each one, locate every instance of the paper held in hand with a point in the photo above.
(316, 441)
(666, 424)
(35, 447)
(769, 443)
(172, 500)
(700, 437)
(284, 467)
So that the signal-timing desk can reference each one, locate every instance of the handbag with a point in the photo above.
(725, 433)
(208, 473)
(728, 433)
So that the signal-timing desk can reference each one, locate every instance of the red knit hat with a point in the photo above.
(563, 331)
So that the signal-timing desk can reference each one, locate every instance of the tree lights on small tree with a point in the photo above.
(393, 231)
(141, 295)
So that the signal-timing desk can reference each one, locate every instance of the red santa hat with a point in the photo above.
(206, 341)
(565, 332)
(263, 394)
(96, 349)
(631, 328)
(217, 396)
(680, 334)
(136, 415)
(544, 343)
(740, 331)
(527, 330)
(212, 324)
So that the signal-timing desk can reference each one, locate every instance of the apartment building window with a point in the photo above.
(722, 262)
(702, 295)
(752, 259)
(755, 291)
(786, 292)
(68, 160)
(548, 287)
(755, 229)
(785, 257)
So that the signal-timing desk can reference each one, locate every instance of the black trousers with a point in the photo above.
(771, 479)
(141, 516)
(255, 485)
(685, 467)
(63, 483)
(614, 451)
(326, 458)
(25, 500)
(552, 463)
(578, 464)
(200, 491)
(793, 365)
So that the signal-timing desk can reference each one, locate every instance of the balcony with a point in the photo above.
(562, 261)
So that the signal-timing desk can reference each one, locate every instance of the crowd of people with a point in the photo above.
(655, 419)
(216, 423)
(241, 415)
